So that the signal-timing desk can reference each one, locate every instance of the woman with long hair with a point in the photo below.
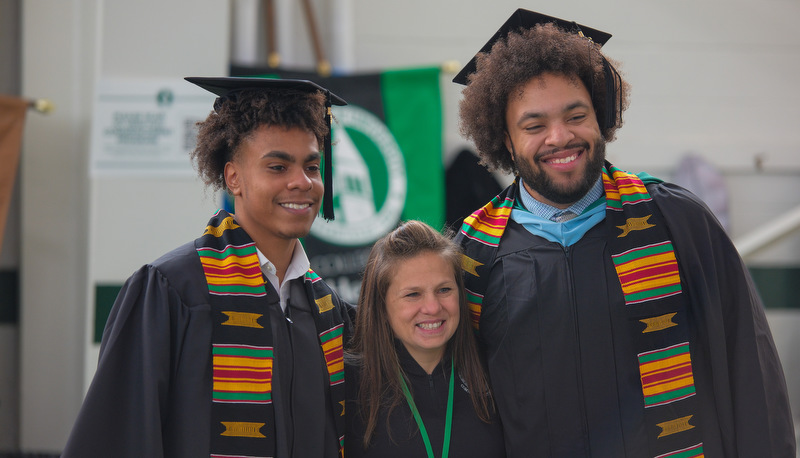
(416, 385)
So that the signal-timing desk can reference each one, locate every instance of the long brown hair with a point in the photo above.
(373, 340)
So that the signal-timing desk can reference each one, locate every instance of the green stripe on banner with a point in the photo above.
(413, 109)
(104, 297)
(779, 287)
(9, 296)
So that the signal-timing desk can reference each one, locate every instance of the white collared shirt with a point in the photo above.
(298, 267)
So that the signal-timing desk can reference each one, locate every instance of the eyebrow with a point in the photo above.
(284, 156)
(535, 115)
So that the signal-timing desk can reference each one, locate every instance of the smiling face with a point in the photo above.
(276, 183)
(422, 305)
(554, 139)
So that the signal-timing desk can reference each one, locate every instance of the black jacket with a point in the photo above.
(559, 344)
(470, 437)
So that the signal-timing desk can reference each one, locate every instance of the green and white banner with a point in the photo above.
(387, 166)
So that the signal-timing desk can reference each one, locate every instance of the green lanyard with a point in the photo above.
(448, 422)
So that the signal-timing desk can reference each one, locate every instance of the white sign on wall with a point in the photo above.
(146, 126)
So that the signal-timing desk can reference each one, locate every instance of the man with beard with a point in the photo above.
(616, 316)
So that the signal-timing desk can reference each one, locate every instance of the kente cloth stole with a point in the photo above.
(242, 413)
(655, 303)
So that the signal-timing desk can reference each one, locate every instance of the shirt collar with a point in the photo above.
(545, 211)
(298, 266)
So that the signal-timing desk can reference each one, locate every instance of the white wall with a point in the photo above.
(56, 37)
(68, 45)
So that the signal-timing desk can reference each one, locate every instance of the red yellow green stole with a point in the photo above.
(242, 414)
(646, 265)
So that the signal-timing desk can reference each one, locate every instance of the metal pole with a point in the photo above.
(323, 66)
(771, 232)
(273, 57)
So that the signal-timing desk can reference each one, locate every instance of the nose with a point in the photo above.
(299, 180)
(430, 305)
(559, 134)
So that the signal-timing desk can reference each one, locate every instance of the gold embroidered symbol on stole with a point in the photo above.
(470, 265)
(227, 223)
(342, 403)
(635, 224)
(659, 323)
(243, 319)
(324, 303)
(678, 425)
(243, 429)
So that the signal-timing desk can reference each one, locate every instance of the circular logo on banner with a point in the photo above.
(369, 180)
(165, 97)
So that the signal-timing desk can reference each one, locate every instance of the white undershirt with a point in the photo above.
(298, 266)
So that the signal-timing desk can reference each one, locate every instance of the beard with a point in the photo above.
(538, 180)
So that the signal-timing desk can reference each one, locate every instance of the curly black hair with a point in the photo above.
(514, 61)
(236, 116)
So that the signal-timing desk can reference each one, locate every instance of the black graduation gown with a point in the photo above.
(151, 393)
(564, 371)
(470, 436)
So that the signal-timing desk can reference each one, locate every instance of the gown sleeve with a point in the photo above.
(124, 409)
(747, 379)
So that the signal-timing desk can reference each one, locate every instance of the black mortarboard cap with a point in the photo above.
(523, 19)
(225, 87)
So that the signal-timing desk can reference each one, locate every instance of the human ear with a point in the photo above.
(231, 174)
(509, 145)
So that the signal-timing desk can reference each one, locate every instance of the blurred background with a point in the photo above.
(96, 124)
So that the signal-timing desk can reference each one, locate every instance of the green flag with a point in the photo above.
(413, 106)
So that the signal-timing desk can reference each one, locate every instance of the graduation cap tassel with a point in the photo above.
(327, 200)
(613, 98)
(610, 76)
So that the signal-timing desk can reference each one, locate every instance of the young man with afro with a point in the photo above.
(616, 316)
(231, 345)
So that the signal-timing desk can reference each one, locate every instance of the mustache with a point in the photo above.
(576, 144)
